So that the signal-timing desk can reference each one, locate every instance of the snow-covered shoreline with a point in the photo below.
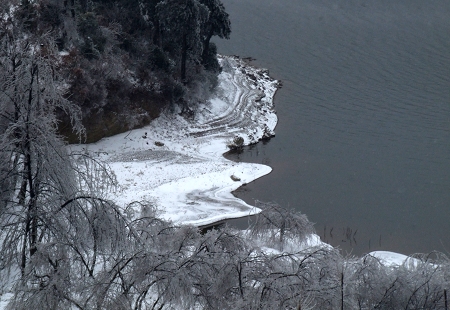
(177, 163)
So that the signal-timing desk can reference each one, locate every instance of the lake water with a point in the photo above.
(363, 139)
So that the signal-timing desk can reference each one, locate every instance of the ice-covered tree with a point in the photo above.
(56, 225)
(277, 225)
(36, 167)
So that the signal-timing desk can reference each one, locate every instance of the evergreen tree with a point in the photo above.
(218, 24)
(182, 22)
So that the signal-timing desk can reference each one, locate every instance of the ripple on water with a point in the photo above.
(364, 134)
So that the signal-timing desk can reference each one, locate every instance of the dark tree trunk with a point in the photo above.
(184, 49)
(23, 261)
(445, 299)
(342, 290)
(206, 46)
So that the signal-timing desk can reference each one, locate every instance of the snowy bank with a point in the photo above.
(393, 259)
(177, 163)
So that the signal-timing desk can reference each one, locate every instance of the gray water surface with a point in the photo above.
(363, 139)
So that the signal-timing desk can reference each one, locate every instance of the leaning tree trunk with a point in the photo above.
(206, 47)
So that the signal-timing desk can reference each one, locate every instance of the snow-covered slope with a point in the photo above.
(177, 163)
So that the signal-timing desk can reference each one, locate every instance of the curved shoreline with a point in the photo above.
(178, 164)
(185, 174)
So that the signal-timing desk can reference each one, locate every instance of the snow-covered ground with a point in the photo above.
(177, 163)
(394, 259)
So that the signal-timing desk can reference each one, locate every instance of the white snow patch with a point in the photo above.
(393, 259)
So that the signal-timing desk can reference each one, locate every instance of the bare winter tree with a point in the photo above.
(56, 227)
(279, 225)
(36, 167)
(179, 267)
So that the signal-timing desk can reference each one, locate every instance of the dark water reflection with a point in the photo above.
(363, 140)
